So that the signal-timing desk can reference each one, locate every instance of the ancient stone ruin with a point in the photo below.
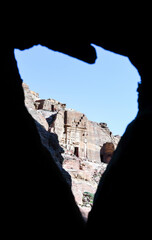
(78, 143)
(77, 135)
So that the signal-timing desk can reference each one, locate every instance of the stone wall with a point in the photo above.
(77, 135)
(74, 142)
(81, 137)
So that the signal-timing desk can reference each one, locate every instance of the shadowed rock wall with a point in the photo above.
(35, 197)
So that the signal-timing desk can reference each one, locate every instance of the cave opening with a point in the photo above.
(104, 92)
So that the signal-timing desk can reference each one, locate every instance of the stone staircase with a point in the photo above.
(80, 120)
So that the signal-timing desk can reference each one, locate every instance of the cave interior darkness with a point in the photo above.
(36, 198)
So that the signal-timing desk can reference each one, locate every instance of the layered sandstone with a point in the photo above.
(77, 135)
(76, 143)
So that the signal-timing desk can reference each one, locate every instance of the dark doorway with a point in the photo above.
(76, 151)
(52, 108)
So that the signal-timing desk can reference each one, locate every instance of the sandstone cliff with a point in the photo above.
(74, 142)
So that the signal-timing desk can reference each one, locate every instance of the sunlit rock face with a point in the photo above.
(77, 135)
(76, 144)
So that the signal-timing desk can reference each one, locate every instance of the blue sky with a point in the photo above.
(104, 91)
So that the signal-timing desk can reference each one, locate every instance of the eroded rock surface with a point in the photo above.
(74, 142)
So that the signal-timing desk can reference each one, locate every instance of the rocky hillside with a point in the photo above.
(75, 143)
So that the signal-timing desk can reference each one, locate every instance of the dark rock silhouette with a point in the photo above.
(36, 200)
